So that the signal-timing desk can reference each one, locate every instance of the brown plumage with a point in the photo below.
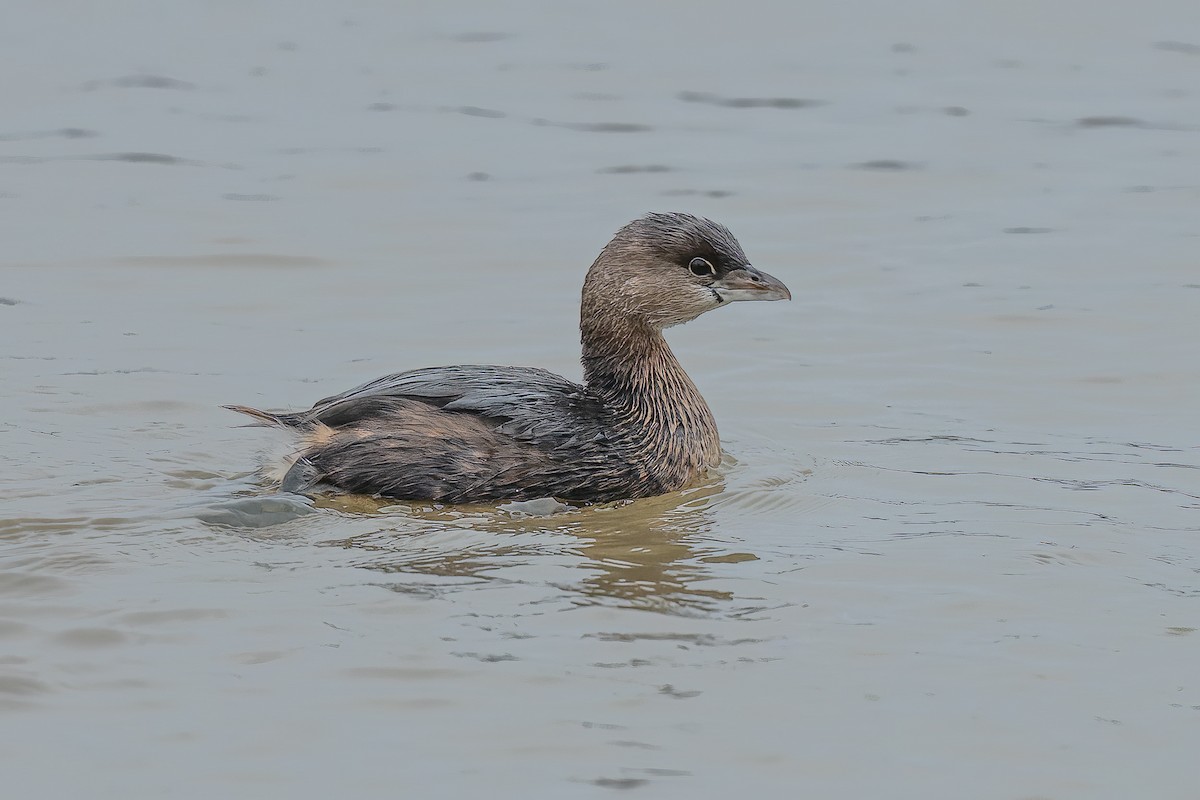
(636, 427)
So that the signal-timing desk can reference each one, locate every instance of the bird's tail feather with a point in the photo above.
(264, 417)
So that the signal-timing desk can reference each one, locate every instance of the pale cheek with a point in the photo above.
(688, 305)
(706, 299)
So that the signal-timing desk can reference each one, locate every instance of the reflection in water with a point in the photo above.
(643, 554)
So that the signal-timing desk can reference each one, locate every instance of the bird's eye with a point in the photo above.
(701, 268)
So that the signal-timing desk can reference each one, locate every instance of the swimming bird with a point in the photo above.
(636, 427)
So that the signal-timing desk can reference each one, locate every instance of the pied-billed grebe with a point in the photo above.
(636, 427)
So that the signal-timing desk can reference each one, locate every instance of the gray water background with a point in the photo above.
(952, 551)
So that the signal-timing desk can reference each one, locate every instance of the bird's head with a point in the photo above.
(666, 269)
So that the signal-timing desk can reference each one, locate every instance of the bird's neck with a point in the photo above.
(633, 370)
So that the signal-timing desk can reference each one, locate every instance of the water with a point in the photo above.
(952, 550)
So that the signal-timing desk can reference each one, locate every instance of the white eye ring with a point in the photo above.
(701, 268)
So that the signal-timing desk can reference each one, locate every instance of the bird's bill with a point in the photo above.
(748, 283)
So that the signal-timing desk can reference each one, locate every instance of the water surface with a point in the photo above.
(953, 547)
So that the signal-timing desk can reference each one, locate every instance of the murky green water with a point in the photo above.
(952, 552)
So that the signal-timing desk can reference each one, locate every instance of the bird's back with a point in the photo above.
(463, 434)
